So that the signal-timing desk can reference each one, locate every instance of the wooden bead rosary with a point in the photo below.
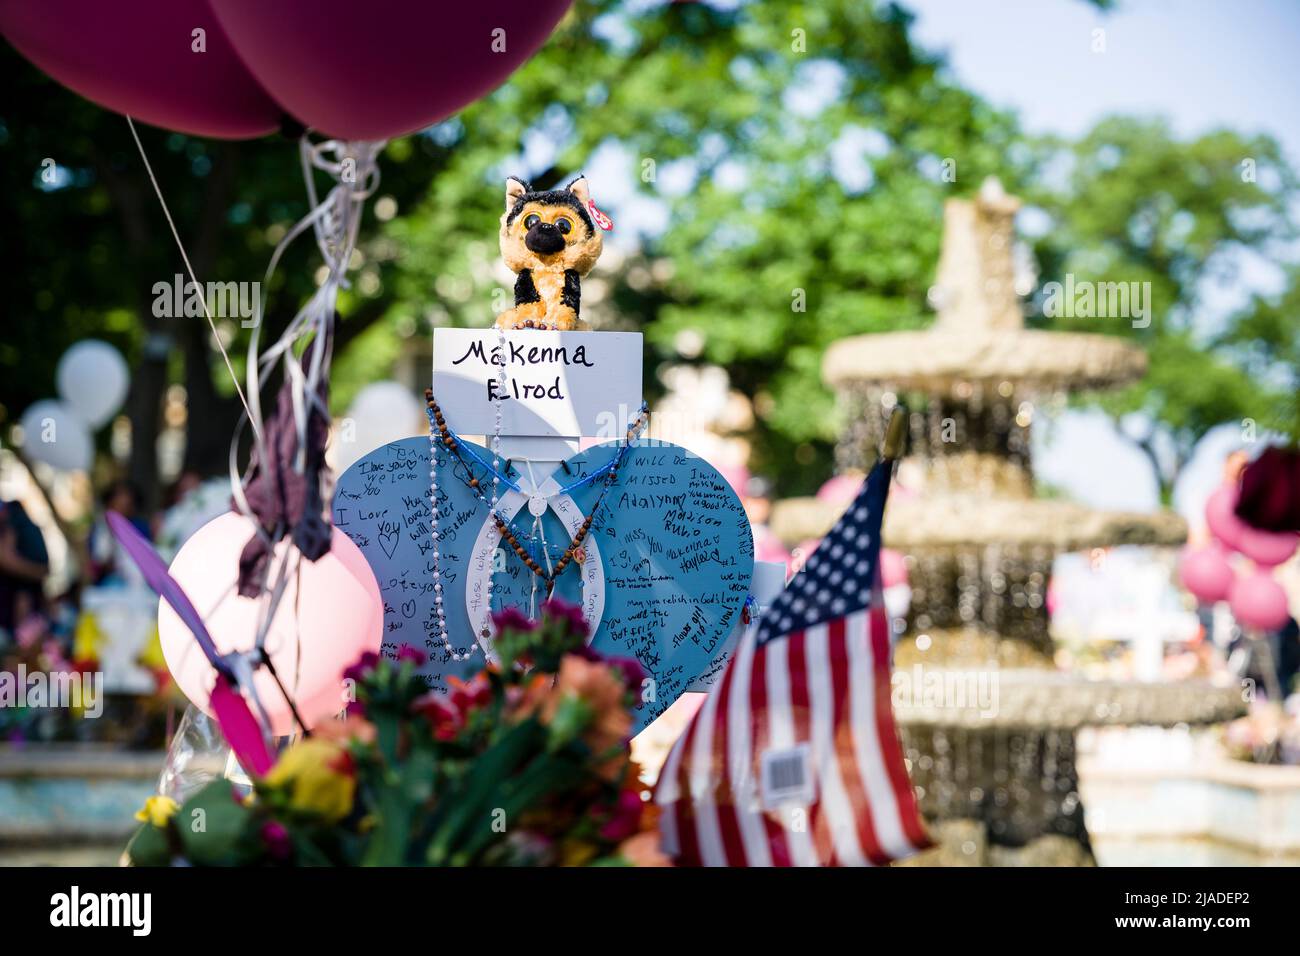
(574, 552)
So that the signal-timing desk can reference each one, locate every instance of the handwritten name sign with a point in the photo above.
(672, 548)
(558, 384)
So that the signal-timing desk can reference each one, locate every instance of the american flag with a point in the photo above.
(793, 759)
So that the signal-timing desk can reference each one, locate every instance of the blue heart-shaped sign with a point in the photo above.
(667, 568)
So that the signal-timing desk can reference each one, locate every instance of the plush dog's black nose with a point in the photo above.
(544, 239)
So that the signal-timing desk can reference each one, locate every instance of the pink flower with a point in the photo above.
(625, 818)
(571, 614)
(630, 669)
(366, 663)
(512, 619)
(276, 840)
(408, 653)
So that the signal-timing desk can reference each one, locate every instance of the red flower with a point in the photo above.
(512, 619)
(469, 695)
(569, 614)
(365, 664)
(630, 669)
(624, 819)
(276, 840)
(444, 719)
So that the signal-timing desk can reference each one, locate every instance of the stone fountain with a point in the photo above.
(988, 720)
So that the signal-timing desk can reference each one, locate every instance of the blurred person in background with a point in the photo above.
(24, 563)
(108, 564)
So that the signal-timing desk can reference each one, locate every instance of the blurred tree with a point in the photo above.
(1131, 202)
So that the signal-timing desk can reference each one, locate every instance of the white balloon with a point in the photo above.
(382, 412)
(93, 379)
(55, 434)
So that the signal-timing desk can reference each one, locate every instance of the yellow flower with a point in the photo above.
(152, 655)
(157, 810)
(87, 638)
(577, 853)
(318, 776)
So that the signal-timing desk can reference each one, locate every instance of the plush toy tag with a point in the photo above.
(601, 219)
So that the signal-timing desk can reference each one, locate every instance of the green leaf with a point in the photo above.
(214, 829)
(149, 847)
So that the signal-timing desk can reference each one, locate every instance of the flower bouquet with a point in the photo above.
(527, 763)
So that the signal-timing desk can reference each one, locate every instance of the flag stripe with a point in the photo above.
(724, 799)
(875, 777)
(781, 720)
(740, 765)
(801, 698)
(905, 798)
(863, 815)
(687, 836)
(701, 786)
(781, 855)
(843, 848)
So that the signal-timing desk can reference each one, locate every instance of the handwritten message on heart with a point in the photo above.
(674, 549)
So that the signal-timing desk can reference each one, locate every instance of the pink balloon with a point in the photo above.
(331, 613)
(1267, 548)
(893, 567)
(802, 552)
(381, 70)
(1206, 573)
(840, 490)
(736, 475)
(1258, 602)
(1221, 516)
(138, 58)
(768, 547)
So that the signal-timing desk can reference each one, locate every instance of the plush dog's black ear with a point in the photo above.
(580, 189)
(515, 190)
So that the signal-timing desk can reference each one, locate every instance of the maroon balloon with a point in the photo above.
(377, 70)
(1270, 490)
(137, 57)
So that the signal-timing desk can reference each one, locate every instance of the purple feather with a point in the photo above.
(156, 576)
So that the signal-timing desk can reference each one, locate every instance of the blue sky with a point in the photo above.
(1202, 65)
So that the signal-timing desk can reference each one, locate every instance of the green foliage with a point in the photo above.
(1131, 202)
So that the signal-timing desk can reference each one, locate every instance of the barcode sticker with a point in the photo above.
(787, 776)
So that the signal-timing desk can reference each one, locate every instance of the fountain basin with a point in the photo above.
(971, 520)
(1035, 699)
(938, 360)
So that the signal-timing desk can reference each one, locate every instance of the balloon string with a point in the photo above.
(189, 268)
(335, 221)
